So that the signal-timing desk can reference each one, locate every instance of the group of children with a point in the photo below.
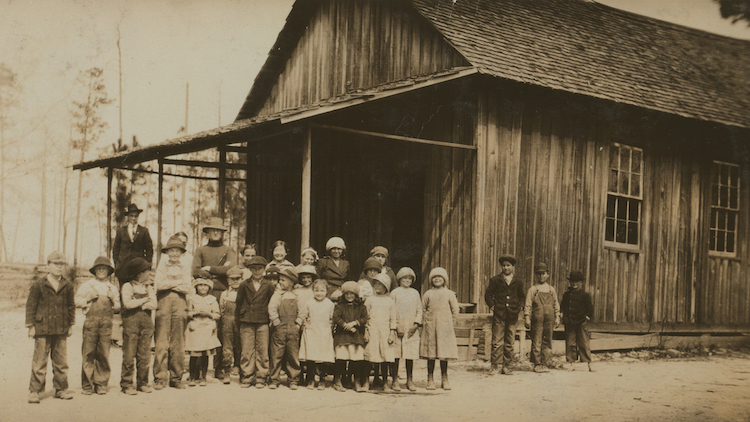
(307, 321)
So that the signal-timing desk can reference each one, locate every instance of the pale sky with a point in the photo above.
(217, 46)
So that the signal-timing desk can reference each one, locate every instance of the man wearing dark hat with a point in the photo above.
(505, 296)
(212, 261)
(131, 241)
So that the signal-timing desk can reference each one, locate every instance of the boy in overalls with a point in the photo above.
(282, 310)
(542, 314)
(230, 331)
(99, 299)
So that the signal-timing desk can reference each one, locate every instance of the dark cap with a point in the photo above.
(372, 264)
(541, 267)
(132, 268)
(290, 274)
(257, 260)
(576, 276)
(509, 258)
(272, 271)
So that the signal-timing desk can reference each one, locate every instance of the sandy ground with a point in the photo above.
(697, 389)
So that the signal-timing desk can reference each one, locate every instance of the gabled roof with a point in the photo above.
(595, 50)
(577, 46)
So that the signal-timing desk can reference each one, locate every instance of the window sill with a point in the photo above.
(620, 247)
(719, 255)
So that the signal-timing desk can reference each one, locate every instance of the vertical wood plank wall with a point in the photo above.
(356, 44)
(545, 198)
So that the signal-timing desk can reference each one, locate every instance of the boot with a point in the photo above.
(430, 382)
(396, 386)
(357, 385)
(410, 383)
(337, 384)
(444, 382)
(386, 386)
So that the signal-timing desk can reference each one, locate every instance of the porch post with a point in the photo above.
(222, 180)
(160, 206)
(477, 284)
(109, 212)
(306, 188)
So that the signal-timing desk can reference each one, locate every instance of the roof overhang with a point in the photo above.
(262, 127)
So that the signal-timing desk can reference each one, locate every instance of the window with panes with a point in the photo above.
(725, 208)
(624, 197)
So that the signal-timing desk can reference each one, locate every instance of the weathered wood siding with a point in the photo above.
(449, 200)
(545, 197)
(358, 44)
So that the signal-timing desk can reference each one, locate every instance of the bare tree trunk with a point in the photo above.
(43, 224)
(84, 141)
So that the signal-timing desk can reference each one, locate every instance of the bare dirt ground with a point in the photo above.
(691, 389)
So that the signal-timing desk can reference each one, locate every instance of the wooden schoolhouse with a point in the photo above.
(559, 131)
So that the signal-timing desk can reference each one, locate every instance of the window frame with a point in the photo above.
(715, 174)
(618, 196)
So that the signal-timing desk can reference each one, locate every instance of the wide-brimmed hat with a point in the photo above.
(350, 287)
(289, 273)
(57, 257)
(272, 271)
(102, 260)
(257, 260)
(541, 267)
(214, 223)
(405, 272)
(439, 271)
(207, 281)
(335, 242)
(379, 250)
(133, 209)
(132, 268)
(384, 280)
(576, 276)
(174, 242)
(372, 264)
(509, 258)
(306, 269)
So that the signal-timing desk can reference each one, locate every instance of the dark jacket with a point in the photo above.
(576, 305)
(50, 313)
(124, 249)
(345, 312)
(252, 305)
(332, 273)
(507, 300)
(219, 257)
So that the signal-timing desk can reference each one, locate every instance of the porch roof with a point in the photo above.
(263, 126)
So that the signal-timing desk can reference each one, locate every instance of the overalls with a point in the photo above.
(169, 339)
(542, 326)
(137, 332)
(285, 342)
(230, 336)
(97, 338)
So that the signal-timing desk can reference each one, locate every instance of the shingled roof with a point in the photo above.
(595, 50)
